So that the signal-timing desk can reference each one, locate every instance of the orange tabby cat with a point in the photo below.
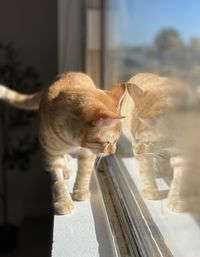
(153, 108)
(75, 117)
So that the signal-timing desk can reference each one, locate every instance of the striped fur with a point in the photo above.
(21, 101)
(74, 118)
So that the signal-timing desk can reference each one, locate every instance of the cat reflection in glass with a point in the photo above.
(163, 117)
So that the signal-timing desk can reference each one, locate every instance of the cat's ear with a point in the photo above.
(135, 92)
(118, 92)
(105, 118)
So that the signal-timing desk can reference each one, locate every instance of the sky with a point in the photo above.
(138, 21)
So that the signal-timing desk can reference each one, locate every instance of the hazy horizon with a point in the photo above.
(139, 21)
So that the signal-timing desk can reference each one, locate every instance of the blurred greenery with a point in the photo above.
(169, 55)
(166, 39)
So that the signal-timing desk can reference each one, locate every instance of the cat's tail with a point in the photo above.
(21, 101)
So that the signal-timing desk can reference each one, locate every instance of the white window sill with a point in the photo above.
(86, 232)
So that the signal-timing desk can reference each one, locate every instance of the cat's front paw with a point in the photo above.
(177, 204)
(81, 194)
(67, 173)
(63, 203)
(150, 193)
(64, 206)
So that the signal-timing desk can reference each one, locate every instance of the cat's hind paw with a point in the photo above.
(64, 206)
(67, 174)
(81, 194)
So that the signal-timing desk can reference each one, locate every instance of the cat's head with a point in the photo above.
(149, 111)
(155, 112)
(104, 121)
(148, 103)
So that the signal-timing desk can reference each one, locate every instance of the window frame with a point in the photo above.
(136, 220)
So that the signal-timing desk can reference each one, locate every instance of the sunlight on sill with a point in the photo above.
(86, 231)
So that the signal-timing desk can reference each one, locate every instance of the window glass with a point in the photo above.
(161, 154)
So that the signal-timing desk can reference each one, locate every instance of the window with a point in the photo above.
(161, 37)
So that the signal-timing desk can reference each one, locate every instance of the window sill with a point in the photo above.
(86, 232)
